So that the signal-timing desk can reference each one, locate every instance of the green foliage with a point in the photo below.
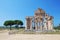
(17, 23)
(57, 28)
(6, 23)
(13, 22)
(9, 23)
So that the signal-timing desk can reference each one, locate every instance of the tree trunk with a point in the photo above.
(16, 26)
(10, 27)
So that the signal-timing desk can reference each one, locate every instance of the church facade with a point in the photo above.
(41, 21)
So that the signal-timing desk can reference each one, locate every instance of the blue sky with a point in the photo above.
(19, 9)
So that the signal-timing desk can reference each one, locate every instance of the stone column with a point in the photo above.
(41, 26)
(31, 24)
(36, 26)
(45, 26)
(26, 25)
(51, 25)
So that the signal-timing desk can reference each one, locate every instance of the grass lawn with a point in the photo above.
(22, 31)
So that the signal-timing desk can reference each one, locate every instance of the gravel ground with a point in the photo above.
(6, 36)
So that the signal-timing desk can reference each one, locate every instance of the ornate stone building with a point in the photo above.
(39, 22)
